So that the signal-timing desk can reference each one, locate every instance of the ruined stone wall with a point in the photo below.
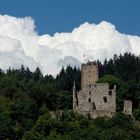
(97, 97)
(97, 113)
(94, 98)
(127, 109)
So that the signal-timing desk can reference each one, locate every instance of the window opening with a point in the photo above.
(89, 92)
(110, 92)
(89, 100)
(111, 86)
(94, 106)
(105, 99)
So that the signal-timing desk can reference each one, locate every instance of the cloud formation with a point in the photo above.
(20, 44)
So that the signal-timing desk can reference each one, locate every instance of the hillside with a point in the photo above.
(26, 99)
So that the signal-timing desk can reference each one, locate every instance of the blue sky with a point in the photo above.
(63, 15)
(19, 44)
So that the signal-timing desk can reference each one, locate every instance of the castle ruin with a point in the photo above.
(127, 109)
(95, 99)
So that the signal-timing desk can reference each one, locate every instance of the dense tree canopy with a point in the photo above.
(27, 99)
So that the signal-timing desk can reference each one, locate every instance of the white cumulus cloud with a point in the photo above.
(20, 44)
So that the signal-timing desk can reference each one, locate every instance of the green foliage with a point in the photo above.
(27, 100)
(111, 80)
(121, 120)
(124, 66)
(137, 114)
(71, 126)
(66, 77)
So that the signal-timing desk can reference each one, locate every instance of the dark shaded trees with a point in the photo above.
(26, 98)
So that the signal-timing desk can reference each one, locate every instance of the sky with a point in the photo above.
(53, 16)
(50, 34)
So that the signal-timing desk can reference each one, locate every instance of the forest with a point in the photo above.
(27, 99)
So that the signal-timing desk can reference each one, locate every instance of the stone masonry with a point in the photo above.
(94, 99)
(127, 109)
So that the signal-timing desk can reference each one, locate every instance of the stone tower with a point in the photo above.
(127, 109)
(89, 74)
(94, 99)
